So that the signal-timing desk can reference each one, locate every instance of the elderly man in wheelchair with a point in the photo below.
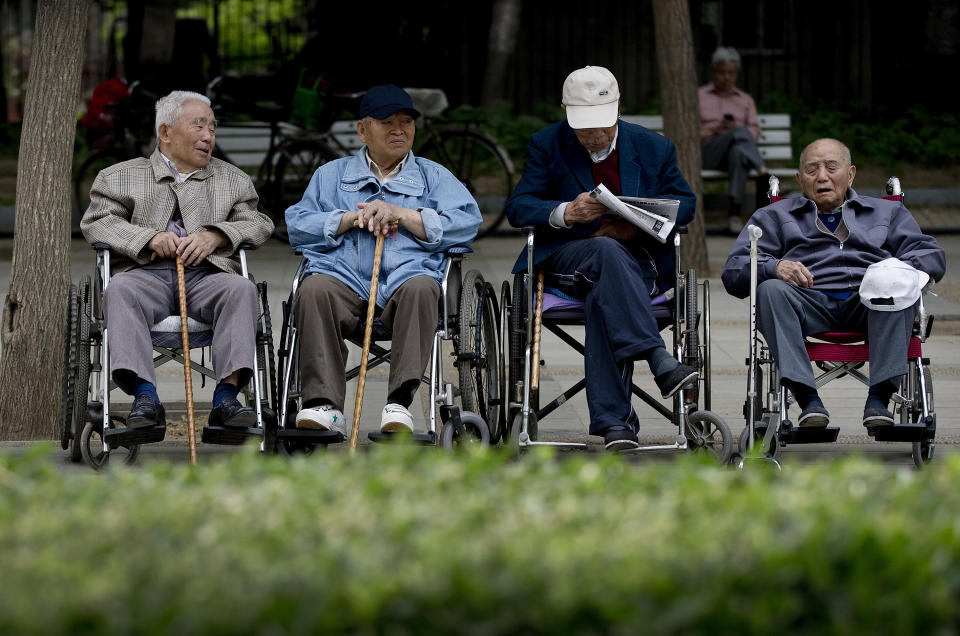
(829, 261)
(602, 260)
(382, 190)
(177, 204)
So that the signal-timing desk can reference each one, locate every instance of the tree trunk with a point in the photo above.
(504, 26)
(681, 112)
(34, 313)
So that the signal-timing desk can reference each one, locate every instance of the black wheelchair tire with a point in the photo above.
(476, 430)
(479, 368)
(69, 357)
(700, 439)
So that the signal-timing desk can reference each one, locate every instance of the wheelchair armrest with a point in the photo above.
(100, 247)
(246, 247)
(680, 229)
(459, 250)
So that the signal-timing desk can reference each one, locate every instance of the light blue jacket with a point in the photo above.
(450, 218)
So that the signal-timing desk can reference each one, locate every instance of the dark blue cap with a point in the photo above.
(382, 101)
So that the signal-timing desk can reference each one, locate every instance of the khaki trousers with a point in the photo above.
(327, 311)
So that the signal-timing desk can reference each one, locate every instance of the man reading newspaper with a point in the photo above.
(653, 216)
(618, 266)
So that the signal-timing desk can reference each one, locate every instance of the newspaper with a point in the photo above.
(656, 217)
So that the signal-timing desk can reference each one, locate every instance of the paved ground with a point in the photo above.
(276, 264)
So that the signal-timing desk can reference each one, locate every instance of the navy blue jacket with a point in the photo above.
(558, 170)
(879, 229)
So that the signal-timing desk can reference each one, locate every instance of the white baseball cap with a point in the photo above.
(591, 97)
(892, 285)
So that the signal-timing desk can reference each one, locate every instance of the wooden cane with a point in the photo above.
(187, 379)
(537, 330)
(367, 332)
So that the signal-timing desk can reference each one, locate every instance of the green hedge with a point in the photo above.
(402, 541)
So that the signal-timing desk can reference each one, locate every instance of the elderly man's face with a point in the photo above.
(189, 142)
(725, 76)
(826, 174)
(595, 139)
(388, 140)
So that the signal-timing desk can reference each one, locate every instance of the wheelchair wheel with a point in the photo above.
(504, 336)
(707, 433)
(691, 338)
(743, 444)
(265, 350)
(82, 378)
(95, 452)
(67, 389)
(477, 433)
(479, 353)
(923, 449)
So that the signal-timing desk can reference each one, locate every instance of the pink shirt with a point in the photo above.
(714, 106)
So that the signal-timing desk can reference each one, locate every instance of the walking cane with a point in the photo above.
(187, 379)
(367, 332)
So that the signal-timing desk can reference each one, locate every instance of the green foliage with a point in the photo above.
(513, 131)
(9, 140)
(407, 540)
(888, 137)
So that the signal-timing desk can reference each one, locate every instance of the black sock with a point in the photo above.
(806, 396)
(878, 397)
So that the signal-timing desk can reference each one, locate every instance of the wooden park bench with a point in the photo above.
(774, 143)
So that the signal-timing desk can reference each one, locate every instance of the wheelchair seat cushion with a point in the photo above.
(564, 308)
(849, 347)
(166, 333)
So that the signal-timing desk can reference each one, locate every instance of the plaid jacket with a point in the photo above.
(131, 201)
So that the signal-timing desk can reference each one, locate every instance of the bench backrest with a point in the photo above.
(774, 142)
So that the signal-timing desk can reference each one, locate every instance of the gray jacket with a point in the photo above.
(131, 201)
(879, 229)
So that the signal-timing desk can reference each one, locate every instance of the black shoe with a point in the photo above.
(672, 381)
(873, 418)
(814, 417)
(233, 414)
(145, 412)
(619, 438)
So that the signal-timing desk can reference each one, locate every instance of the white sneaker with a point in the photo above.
(322, 418)
(395, 418)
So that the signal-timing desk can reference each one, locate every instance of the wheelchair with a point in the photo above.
(467, 318)
(523, 317)
(838, 354)
(90, 430)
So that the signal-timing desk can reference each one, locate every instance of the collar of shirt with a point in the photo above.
(178, 177)
(600, 155)
(711, 88)
(375, 169)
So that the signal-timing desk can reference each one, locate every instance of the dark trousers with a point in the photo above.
(736, 152)
(327, 311)
(619, 322)
(786, 313)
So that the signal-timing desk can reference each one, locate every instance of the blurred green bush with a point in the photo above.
(412, 541)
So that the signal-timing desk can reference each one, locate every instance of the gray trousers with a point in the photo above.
(736, 152)
(137, 299)
(786, 313)
(327, 311)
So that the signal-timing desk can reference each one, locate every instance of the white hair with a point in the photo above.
(844, 151)
(723, 55)
(170, 107)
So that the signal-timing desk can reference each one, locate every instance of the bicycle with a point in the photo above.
(474, 156)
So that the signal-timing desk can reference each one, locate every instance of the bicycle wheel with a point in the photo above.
(481, 164)
(297, 160)
(88, 171)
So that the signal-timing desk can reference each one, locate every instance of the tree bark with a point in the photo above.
(504, 26)
(34, 313)
(681, 112)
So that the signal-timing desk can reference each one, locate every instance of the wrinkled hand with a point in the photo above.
(379, 217)
(617, 229)
(193, 248)
(583, 209)
(794, 272)
(164, 244)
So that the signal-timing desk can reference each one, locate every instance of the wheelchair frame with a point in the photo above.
(85, 403)
(457, 425)
(697, 429)
(912, 402)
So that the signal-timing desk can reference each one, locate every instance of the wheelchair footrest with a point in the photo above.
(902, 433)
(309, 436)
(229, 435)
(817, 435)
(415, 438)
(128, 437)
